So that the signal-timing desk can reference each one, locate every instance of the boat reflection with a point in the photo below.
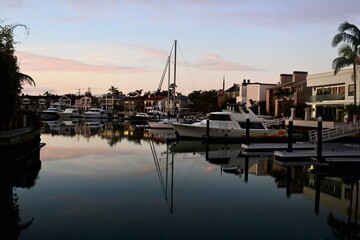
(333, 187)
(17, 171)
(227, 156)
(112, 131)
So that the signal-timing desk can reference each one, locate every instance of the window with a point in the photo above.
(253, 125)
(342, 90)
(219, 117)
(351, 90)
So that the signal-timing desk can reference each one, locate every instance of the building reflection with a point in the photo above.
(333, 187)
(113, 132)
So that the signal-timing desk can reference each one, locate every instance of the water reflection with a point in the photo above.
(113, 132)
(18, 170)
(335, 187)
(196, 183)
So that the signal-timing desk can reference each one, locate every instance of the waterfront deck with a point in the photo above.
(329, 150)
(303, 154)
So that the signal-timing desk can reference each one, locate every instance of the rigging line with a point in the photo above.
(157, 165)
(185, 183)
(164, 72)
(165, 69)
(186, 66)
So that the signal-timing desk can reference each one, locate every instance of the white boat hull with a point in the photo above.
(95, 116)
(198, 131)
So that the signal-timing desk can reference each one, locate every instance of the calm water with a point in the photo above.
(116, 182)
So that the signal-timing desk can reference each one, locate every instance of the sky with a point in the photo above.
(76, 45)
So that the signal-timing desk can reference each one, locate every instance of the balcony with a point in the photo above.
(326, 97)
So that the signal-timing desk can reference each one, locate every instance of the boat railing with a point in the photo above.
(273, 122)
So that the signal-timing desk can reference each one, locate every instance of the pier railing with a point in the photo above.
(338, 131)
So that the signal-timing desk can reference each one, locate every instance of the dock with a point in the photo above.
(329, 150)
(271, 147)
(302, 154)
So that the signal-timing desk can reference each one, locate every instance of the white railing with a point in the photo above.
(338, 131)
(273, 122)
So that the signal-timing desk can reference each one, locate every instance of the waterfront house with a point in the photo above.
(299, 92)
(64, 102)
(154, 103)
(330, 94)
(83, 103)
(112, 103)
(253, 93)
(33, 103)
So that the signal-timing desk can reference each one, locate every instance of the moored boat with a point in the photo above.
(165, 123)
(96, 113)
(226, 124)
(70, 113)
(51, 113)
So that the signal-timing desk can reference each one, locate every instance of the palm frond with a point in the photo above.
(26, 78)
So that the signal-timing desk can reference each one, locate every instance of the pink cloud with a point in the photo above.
(216, 62)
(13, 4)
(34, 62)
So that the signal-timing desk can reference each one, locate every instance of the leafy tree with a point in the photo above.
(204, 101)
(11, 79)
(349, 51)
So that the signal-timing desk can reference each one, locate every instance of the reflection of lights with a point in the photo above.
(310, 168)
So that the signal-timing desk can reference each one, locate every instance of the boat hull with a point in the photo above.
(160, 125)
(69, 115)
(196, 131)
(95, 116)
(50, 115)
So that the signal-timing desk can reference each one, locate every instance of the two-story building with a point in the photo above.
(253, 93)
(331, 93)
(296, 83)
(83, 103)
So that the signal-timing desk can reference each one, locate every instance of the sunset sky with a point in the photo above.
(74, 45)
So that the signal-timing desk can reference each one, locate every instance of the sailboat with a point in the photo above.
(166, 123)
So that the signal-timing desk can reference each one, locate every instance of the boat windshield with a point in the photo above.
(219, 117)
(253, 125)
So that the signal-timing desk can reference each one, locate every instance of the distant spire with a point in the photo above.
(224, 82)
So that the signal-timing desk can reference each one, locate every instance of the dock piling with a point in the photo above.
(319, 140)
(247, 130)
(290, 134)
(207, 127)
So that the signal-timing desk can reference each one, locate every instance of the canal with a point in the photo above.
(116, 181)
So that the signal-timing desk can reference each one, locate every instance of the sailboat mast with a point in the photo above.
(168, 98)
(174, 78)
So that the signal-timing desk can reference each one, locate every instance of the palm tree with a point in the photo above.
(349, 52)
(282, 94)
(113, 90)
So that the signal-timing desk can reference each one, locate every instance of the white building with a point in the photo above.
(255, 92)
(331, 93)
